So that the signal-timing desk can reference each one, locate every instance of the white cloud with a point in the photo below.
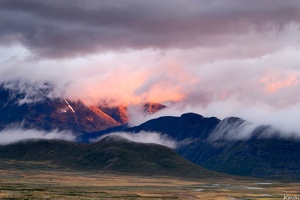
(143, 137)
(227, 58)
(12, 135)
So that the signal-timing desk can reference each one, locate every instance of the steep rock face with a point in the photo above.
(118, 113)
(91, 118)
(52, 114)
(113, 153)
(153, 107)
(56, 114)
(62, 114)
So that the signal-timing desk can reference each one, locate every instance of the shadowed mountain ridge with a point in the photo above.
(113, 153)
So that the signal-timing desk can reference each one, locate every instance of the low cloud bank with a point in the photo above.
(143, 137)
(12, 135)
(233, 129)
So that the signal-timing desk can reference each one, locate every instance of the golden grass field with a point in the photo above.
(67, 184)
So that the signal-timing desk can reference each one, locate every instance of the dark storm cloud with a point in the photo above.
(70, 28)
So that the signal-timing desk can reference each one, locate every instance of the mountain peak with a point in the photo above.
(153, 107)
(191, 117)
(114, 139)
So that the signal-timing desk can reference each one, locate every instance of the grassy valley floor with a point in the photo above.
(34, 180)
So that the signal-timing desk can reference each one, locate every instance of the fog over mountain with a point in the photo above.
(143, 137)
(13, 135)
(217, 58)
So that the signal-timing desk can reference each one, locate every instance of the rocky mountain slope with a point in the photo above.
(58, 113)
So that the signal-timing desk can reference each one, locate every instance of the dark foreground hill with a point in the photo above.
(112, 153)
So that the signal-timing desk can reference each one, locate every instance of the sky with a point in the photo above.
(218, 58)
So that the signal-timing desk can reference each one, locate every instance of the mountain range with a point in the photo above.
(62, 114)
(209, 142)
(262, 155)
